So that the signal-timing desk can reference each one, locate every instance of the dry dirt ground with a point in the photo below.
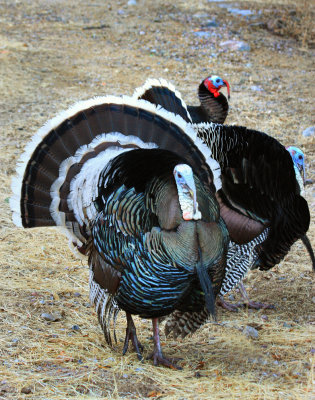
(54, 53)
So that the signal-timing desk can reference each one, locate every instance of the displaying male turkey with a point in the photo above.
(259, 201)
(134, 189)
(213, 106)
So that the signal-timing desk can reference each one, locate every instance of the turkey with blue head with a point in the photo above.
(133, 188)
(260, 198)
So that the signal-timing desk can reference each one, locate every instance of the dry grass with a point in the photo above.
(49, 60)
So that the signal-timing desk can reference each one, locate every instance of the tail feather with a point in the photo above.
(163, 93)
(309, 248)
(57, 177)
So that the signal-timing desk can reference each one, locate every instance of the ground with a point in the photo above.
(54, 53)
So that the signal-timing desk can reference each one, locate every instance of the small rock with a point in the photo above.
(76, 294)
(286, 325)
(51, 317)
(203, 34)
(255, 88)
(235, 45)
(310, 131)
(211, 23)
(313, 299)
(26, 390)
(76, 328)
(132, 3)
(200, 15)
(251, 332)
(237, 11)
(264, 317)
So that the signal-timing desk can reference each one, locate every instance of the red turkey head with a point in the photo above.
(214, 83)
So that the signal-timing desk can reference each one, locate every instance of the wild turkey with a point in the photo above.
(163, 93)
(299, 167)
(213, 106)
(134, 189)
(259, 201)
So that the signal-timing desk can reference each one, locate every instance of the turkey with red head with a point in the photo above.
(213, 106)
(260, 199)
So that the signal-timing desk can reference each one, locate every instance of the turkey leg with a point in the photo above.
(157, 355)
(131, 334)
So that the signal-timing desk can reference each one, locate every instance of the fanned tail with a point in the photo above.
(162, 93)
(58, 174)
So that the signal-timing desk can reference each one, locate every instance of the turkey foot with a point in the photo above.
(256, 305)
(131, 334)
(228, 306)
(157, 355)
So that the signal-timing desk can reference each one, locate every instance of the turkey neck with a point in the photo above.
(216, 108)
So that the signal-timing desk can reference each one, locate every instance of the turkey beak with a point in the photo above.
(226, 83)
(301, 169)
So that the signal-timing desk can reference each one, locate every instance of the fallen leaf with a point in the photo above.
(154, 393)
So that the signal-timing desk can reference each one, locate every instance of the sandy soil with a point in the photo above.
(54, 53)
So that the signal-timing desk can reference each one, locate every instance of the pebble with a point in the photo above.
(51, 317)
(76, 328)
(132, 3)
(211, 23)
(237, 11)
(235, 45)
(313, 299)
(251, 332)
(255, 88)
(203, 34)
(310, 131)
(286, 325)
(26, 390)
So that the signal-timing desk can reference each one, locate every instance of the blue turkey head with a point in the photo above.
(298, 159)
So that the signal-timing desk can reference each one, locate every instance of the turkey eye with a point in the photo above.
(217, 80)
(300, 157)
(179, 175)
